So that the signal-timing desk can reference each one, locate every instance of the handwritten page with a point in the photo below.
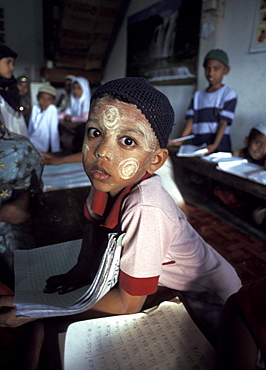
(64, 176)
(164, 337)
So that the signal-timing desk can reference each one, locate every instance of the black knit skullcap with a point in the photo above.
(152, 103)
(6, 52)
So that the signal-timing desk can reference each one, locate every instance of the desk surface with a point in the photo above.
(57, 215)
(208, 169)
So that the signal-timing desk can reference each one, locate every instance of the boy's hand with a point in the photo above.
(211, 148)
(50, 159)
(171, 142)
(76, 278)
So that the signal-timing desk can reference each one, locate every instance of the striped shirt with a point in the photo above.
(208, 108)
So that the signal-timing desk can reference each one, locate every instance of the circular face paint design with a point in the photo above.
(110, 117)
(128, 168)
(119, 145)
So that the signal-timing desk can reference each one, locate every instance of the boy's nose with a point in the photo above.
(104, 150)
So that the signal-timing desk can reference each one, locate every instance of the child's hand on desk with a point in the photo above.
(75, 278)
(211, 148)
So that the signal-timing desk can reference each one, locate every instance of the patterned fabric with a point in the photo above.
(20, 164)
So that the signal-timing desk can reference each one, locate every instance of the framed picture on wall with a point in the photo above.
(163, 42)
(258, 42)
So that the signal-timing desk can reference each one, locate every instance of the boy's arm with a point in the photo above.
(187, 130)
(219, 135)
(118, 302)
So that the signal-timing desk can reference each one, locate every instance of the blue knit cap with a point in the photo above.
(153, 104)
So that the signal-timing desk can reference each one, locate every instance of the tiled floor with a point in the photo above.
(245, 253)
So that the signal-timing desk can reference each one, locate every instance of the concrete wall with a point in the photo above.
(233, 24)
(24, 33)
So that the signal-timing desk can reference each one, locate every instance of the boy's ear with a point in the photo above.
(159, 158)
(246, 141)
(227, 70)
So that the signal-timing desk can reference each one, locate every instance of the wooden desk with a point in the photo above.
(58, 215)
(208, 169)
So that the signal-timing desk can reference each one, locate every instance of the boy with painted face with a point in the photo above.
(125, 143)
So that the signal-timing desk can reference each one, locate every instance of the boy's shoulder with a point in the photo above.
(224, 92)
(150, 192)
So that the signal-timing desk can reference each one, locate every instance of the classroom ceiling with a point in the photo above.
(79, 36)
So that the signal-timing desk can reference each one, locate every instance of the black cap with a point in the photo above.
(152, 103)
(6, 52)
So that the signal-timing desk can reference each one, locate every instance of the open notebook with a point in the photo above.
(238, 166)
(33, 267)
(164, 337)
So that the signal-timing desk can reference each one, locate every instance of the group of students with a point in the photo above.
(43, 123)
(127, 133)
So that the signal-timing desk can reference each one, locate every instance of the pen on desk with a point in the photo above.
(256, 171)
(183, 138)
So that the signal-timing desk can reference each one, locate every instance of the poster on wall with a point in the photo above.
(258, 42)
(163, 42)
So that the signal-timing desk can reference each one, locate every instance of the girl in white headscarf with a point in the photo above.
(79, 105)
(72, 122)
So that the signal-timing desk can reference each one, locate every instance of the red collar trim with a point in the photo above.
(99, 202)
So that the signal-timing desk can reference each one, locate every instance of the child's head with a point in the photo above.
(23, 85)
(46, 96)
(7, 61)
(80, 86)
(67, 83)
(256, 141)
(216, 65)
(127, 132)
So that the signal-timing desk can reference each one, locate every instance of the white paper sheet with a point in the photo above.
(163, 338)
(192, 151)
(64, 176)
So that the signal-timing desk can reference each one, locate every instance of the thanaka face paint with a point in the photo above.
(119, 145)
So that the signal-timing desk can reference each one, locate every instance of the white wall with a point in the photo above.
(233, 32)
(24, 32)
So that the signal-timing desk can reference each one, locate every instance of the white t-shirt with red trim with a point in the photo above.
(160, 247)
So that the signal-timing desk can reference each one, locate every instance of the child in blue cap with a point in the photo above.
(211, 110)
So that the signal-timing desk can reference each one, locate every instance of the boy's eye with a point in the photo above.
(93, 132)
(127, 141)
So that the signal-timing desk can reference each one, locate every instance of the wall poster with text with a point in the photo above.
(163, 42)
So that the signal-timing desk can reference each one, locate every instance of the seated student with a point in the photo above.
(23, 85)
(211, 110)
(43, 127)
(73, 119)
(78, 108)
(242, 331)
(254, 152)
(9, 95)
(255, 145)
(21, 169)
(126, 137)
(64, 99)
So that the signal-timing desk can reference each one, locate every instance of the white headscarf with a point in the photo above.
(82, 104)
